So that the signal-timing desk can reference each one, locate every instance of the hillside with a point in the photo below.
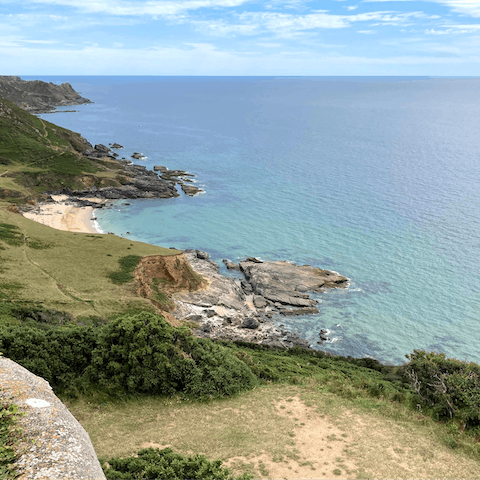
(37, 156)
(87, 313)
(39, 97)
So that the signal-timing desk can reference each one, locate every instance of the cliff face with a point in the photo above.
(160, 276)
(55, 445)
(39, 97)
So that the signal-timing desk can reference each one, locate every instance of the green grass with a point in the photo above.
(124, 274)
(11, 235)
(68, 271)
(37, 156)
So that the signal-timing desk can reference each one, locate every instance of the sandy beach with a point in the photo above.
(62, 216)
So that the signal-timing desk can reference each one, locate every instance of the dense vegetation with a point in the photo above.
(137, 353)
(448, 389)
(153, 464)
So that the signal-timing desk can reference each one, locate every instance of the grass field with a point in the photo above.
(285, 431)
(68, 271)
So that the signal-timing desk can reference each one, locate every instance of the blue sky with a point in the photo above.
(240, 37)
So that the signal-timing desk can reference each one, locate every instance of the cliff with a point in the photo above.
(39, 97)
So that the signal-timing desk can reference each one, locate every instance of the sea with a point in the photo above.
(377, 178)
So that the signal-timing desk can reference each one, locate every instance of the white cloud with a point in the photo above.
(351, 7)
(138, 8)
(221, 28)
(287, 24)
(367, 32)
(470, 8)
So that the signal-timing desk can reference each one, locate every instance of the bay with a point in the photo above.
(376, 178)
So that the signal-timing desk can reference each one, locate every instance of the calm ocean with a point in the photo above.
(376, 178)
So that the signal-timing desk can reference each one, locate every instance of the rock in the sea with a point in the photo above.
(230, 265)
(138, 156)
(116, 145)
(190, 190)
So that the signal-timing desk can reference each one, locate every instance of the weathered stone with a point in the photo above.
(259, 301)
(231, 265)
(250, 323)
(102, 148)
(54, 445)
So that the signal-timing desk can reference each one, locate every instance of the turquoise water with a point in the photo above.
(378, 179)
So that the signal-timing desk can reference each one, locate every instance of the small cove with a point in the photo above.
(376, 180)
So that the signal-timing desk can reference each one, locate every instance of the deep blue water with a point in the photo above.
(376, 178)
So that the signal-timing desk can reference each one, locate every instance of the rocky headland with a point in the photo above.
(36, 96)
(232, 309)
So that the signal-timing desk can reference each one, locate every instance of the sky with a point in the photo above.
(240, 37)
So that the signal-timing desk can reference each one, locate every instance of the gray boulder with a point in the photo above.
(54, 444)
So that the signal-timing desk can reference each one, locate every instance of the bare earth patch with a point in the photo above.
(317, 450)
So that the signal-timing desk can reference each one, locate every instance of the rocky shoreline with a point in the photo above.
(226, 308)
(234, 310)
(136, 181)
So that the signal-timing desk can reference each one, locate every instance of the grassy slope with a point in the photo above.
(69, 272)
(38, 156)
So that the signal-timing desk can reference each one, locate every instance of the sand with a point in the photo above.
(61, 216)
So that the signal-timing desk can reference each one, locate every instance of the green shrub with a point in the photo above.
(449, 388)
(59, 355)
(142, 353)
(153, 464)
(9, 434)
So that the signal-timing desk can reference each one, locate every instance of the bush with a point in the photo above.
(9, 434)
(142, 353)
(133, 353)
(450, 388)
(60, 355)
(153, 464)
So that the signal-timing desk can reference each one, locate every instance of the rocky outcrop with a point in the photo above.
(230, 309)
(283, 286)
(137, 182)
(180, 177)
(54, 445)
(36, 96)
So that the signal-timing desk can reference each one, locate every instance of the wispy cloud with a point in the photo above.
(470, 8)
(122, 7)
(287, 25)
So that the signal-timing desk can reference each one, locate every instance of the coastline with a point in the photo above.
(63, 214)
